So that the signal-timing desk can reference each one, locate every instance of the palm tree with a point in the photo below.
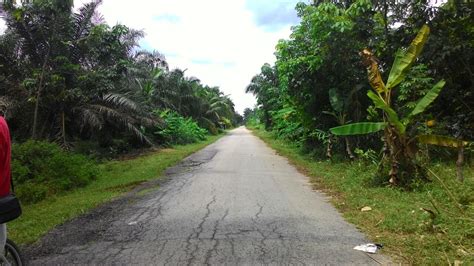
(71, 65)
(95, 115)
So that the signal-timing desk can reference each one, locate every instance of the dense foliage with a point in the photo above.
(180, 130)
(42, 168)
(343, 49)
(67, 76)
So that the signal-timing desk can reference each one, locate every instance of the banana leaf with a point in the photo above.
(373, 73)
(358, 128)
(391, 114)
(428, 98)
(337, 103)
(441, 141)
(404, 59)
(375, 79)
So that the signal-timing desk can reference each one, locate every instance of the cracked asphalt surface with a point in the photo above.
(234, 202)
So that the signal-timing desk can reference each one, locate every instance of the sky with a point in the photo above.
(221, 42)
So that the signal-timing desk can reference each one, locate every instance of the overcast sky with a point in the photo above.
(223, 43)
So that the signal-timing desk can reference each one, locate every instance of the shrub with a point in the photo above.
(213, 129)
(180, 130)
(41, 168)
(31, 192)
(209, 125)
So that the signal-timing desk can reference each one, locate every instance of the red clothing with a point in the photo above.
(5, 157)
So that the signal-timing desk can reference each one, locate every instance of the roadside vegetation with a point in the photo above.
(113, 178)
(77, 94)
(364, 96)
(430, 225)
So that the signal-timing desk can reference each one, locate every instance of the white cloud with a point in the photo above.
(3, 26)
(216, 41)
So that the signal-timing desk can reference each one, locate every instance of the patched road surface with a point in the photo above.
(235, 202)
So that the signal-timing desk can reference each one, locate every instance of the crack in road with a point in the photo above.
(260, 210)
(199, 230)
(214, 233)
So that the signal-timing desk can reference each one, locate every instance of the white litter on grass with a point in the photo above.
(132, 223)
(369, 248)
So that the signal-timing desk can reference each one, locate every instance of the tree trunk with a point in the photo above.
(349, 149)
(459, 164)
(63, 128)
(402, 160)
(47, 123)
(35, 116)
(329, 148)
(392, 149)
(38, 96)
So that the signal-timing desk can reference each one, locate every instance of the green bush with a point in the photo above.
(31, 192)
(41, 168)
(180, 130)
(209, 125)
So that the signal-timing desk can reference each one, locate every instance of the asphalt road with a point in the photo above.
(235, 202)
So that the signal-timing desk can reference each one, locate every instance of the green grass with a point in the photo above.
(116, 178)
(399, 219)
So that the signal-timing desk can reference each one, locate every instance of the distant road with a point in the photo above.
(235, 202)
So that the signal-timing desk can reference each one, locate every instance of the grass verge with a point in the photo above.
(115, 178)
(432, 225)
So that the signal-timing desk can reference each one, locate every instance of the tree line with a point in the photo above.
(400, 70)
(67, 76)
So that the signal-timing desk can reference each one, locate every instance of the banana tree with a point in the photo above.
(340, 106)
(401, 148)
